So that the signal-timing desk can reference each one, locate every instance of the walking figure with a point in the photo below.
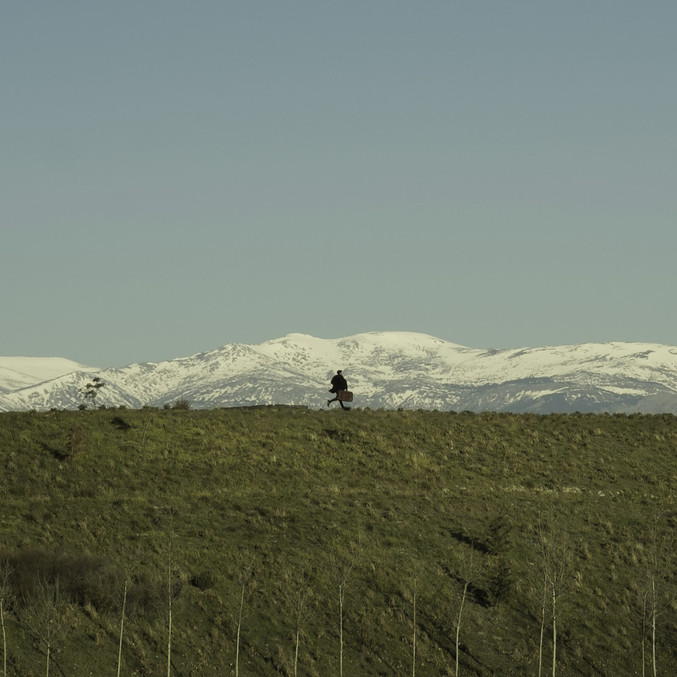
(338, 386)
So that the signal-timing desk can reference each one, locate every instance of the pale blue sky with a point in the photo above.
(181, 175)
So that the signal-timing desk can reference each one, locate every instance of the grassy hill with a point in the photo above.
(348, 540)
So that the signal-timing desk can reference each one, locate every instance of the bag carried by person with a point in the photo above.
(345, 396)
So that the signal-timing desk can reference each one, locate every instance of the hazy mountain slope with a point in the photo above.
(385, 370)
(21, 372)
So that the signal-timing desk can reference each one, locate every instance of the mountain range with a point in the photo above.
(384, 370)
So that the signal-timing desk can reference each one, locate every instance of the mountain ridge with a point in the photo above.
(19, 372)
(391, 369)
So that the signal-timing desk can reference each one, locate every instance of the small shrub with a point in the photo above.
(181, 403)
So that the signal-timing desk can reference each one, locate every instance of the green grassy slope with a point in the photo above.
(388, 508)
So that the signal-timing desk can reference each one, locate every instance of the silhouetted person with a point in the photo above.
(338, 384)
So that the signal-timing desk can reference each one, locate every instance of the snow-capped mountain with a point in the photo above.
(21, 372)
(384, 370)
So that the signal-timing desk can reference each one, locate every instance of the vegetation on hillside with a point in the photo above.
(281, 540)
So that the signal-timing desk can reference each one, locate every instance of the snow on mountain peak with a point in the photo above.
(386, 369)
(21, 372)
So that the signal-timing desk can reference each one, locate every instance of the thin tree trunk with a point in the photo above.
(458, 622)
(145, 430)
(169, 629)
(540, 643)
(48, 656)
(239, 625)
(122, 626)
(341, 629)
(413, 661)
(554, 632)
(4, 638)
(653, 624)
(296, 651)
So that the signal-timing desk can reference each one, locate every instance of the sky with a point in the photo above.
(177, 175)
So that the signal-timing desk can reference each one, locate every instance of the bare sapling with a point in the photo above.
(122, 622)
(341, 570)
(544, 608)
(240, 612)
(169, 613)
(654, 564)
(410, 595)
(245, 568)
(654, 614)
(555, 563)
(46, 617)
(6, 607)
(3, 610)
(467, 576)
(301, 597)
(464, 594)
(170, 546)
(414, 599)
(145, 432)
(341, 601)
(129, 572)
(659, 565)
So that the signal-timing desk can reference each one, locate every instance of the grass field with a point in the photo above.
(356, 543)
